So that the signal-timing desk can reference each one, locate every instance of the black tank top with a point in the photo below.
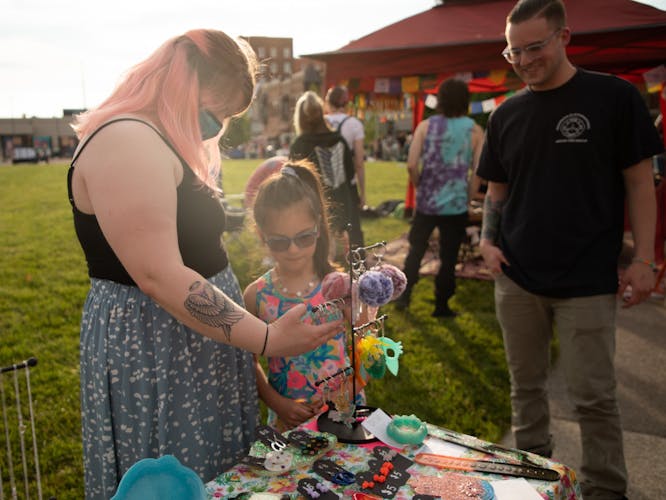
(200, 223)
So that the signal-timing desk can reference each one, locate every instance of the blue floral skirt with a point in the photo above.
(150, 386)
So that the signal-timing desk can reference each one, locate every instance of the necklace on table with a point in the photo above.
(298, 293)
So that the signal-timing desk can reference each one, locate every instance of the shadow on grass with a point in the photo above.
(453, 371)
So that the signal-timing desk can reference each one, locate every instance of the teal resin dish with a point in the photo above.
(160, 478)
(407, 429)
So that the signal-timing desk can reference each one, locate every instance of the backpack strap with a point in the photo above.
(340, 124)
(83, 144)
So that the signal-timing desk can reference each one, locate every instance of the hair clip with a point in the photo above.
(386, 454)
(311, 491)
(311, 488)
(332, 305)
(287, 170)
(278, 445)
(343, 478)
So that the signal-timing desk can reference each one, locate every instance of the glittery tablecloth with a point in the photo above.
(242, 479)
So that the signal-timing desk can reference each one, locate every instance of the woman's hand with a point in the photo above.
(290, 335)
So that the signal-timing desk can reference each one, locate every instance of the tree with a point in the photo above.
(239, 132)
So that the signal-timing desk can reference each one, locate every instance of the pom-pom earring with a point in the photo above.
(375, 288)
(336, 285)
(397, 277)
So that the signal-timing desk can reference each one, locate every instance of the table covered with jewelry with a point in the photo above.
(307, 463)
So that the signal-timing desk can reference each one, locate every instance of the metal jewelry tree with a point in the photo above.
(371, 353)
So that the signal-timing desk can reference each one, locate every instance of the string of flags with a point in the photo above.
(655, 79)
(396, 94)
(475, 107)
(421, 83)
(392, 94)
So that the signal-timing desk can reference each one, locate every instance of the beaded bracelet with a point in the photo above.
(265, 342)
(649, 263)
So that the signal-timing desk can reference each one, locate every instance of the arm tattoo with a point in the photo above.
(492, 214)
(212, 308)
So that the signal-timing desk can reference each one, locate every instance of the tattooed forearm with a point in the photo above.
(492, 214)
(212, 308)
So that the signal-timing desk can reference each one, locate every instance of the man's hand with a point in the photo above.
(640, 277)
(492, 256)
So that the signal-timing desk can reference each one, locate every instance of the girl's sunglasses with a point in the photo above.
(301, 240)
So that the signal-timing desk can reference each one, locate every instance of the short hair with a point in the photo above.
(552, 10)
(309, 114)
(337, 97)
(453, 98)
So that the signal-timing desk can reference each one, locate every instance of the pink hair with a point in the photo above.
(202, 68)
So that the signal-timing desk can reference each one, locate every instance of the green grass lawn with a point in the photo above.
(452, 372)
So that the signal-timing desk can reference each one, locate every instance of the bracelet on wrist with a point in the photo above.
(263, 350)
(648, 263)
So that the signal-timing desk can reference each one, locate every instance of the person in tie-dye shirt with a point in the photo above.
(448, 146)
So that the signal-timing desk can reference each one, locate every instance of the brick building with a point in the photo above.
(20, 138)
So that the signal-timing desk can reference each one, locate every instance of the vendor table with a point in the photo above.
(354, 458)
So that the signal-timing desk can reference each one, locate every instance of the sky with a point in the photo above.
(71, 53)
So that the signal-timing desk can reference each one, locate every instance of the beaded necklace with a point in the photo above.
(298, 293)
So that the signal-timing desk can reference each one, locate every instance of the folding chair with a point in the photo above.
(14, 407)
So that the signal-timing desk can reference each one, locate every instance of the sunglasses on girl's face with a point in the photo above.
(301, 240)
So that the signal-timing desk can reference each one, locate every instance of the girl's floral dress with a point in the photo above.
(295, 376)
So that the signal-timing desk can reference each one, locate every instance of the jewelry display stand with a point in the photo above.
(353, 433)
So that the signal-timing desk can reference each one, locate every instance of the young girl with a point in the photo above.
(290, 214)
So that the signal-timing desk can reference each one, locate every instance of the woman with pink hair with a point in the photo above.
(166, 348)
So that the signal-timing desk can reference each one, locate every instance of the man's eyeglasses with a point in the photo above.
(532, 50)
(301, 240)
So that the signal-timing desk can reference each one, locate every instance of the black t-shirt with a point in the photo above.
(562, 153)
(200, 223)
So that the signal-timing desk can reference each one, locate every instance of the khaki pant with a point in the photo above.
(586, 332)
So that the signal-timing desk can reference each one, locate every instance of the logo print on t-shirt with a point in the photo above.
(572, 127)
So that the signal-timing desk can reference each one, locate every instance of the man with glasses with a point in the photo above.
(561, 157)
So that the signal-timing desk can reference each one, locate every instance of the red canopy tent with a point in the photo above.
(617, 36)
(622, 37)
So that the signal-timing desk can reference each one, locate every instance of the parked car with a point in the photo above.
(25, 155)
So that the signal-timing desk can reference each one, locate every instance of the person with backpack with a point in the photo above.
(327, 149)
(353, 132)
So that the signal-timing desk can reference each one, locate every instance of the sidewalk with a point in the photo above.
(640, 363)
